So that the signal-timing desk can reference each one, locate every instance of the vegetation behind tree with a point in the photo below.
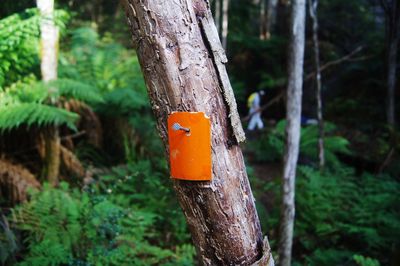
(115, 204)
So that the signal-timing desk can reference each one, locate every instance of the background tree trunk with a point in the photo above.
(262, 20)
(183, 65)
(217, 16)
(293, 114)
(268, 15)
(48, 51)
(225, 18)
(313, 6)
(392, 14)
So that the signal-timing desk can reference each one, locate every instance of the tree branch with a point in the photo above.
(335, 62)
(308, 77)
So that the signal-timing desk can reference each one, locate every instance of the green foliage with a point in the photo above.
(365, 261)
(19, 39)
(74, 89)
(115, 71)
(340, 214)
(271, 145)
(24, 103)
(70, 227)
(8, 244)
(102, 63)
(339, 209)
(122, 102)
(18, 44)
(13, 116)
(145, 184)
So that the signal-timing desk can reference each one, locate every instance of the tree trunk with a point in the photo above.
(267, 18)
(224, 33)
(313, 5)
(183, 65)
(293, 114)
(217, 16)
(262, 20)
(392, 12)
(48, 66)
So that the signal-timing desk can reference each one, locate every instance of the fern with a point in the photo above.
(123, 102)
(365, 261)
(76, 90)
(336, 206)
(69, 227)
(19, 39)
(274, 143)
(15, 115)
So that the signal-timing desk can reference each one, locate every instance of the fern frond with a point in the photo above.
(77, 90)
(14, 115)
(123, 102)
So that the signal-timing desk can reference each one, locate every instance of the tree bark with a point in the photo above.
(183, 65)
(225, 17)
(313, 6)
(48, 51)
(293, 114)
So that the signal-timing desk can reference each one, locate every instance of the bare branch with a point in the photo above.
(335, 62)
(310, 76)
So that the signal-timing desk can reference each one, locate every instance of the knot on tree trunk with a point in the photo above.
(266, 259)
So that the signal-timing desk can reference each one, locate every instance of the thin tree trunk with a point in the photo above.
(262, 20)
(313, 6)
(224, 33)
(293, 114)
(48, 51)
(217, 16)
(270, 18)
(183, 65)
(392, 12)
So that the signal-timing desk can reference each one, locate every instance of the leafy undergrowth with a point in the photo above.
(343, 216)
(123, 218)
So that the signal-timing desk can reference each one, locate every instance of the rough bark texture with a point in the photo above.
(48, 66)
(183, 64)
(293, 114)
(313, 5)
(225, 17)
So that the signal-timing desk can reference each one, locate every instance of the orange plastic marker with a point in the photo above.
(189, 137)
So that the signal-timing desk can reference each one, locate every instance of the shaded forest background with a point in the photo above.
(115, 204)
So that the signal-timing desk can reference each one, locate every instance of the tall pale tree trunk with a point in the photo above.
(313, 6)
(183, 64)
(225, 20)
(293, 114)
(48, 52)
